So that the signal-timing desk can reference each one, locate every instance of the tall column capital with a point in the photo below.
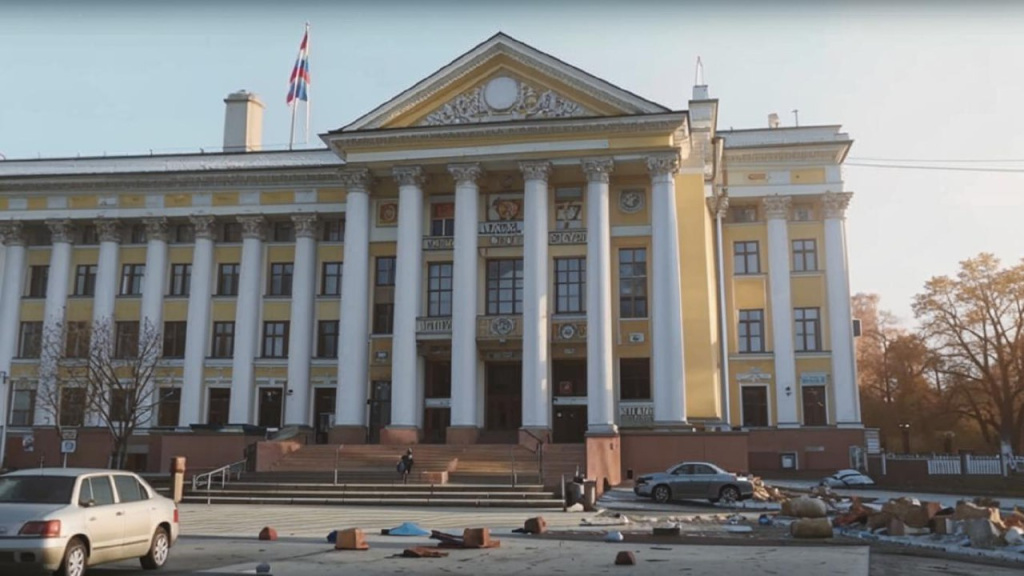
(356, 179)
(109, 230)
(305, 225)
(12, 234)
(203, 225)
(252, 226)
(156, 228)
(836, 204)
(776, 207)
(61, 230)
(663, 164)
(465, 173)
(409, 175)
(719, 205)
(598, 169)
(536, 170)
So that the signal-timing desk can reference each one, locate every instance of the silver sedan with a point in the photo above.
(65, 520)
(693, 480)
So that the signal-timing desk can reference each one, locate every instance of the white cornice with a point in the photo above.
(87, 182)
(167, 163)
(501, 44)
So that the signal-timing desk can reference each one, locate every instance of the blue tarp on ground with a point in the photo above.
(408, 529)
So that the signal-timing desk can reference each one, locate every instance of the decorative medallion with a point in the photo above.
(631, 201)
(387, 213)
(567, 331)
(502, 326)
(501, 99)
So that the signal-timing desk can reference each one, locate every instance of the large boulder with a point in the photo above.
(982, 533)
(970, 511)
(811, 528)
(804, 507)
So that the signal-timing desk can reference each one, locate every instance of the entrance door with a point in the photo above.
(569, 378)
(437, 414)
(323, 412)
(435, 425)
(569, 426)
(503, 412)
(380, 408)
(271, 403)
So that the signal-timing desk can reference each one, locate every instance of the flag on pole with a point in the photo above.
(299, 89)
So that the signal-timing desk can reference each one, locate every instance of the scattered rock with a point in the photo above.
(982, 533)
(970, 511)
(478, 538)
(536, 525)
(878, 520)
(804, 508)
(423, 552)
(614, 536)
(625, 558)
(811, 528)
(351, 539)
(263, 568)
(268, 533)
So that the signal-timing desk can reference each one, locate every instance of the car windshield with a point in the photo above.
(36, 489)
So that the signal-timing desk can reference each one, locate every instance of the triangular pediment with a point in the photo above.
(503, 79)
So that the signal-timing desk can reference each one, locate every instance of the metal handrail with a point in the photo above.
(539, 451)
(224, 472)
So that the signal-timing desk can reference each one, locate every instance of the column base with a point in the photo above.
(462, 435)
(347, 435)
(787, 425)
(602, 430)
(401, 435)
(604, 460)
(850, 425)
(529, 435)
(673, 426)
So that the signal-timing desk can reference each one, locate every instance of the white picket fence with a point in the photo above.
(950, 465)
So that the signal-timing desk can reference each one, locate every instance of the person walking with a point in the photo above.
(405, 466)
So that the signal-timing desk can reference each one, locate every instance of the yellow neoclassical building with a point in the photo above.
(510, 248)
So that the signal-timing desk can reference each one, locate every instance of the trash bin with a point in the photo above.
(590, 495)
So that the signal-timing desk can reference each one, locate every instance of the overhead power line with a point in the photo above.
(942, 168)
(935, 161)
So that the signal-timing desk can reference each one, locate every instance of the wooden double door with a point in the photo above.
(503, 402)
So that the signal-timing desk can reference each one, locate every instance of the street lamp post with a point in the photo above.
(6, 420)
(905, 429)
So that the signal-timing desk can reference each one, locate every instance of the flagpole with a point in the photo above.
(291, 135)
(309, 97)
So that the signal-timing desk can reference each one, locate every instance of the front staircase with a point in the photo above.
(497, 475)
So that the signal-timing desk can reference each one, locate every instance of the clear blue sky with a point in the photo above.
(905, 81)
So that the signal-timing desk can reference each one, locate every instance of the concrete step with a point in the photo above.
(381, 494)
(290, 488)
(378, 501)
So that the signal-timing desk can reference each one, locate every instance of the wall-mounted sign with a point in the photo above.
(387, 213)
(564, 237)
(755, 374)
(569, 401)
(813, 378)
(437, 402)
(438, 243)
(636, 414)
(434, 325)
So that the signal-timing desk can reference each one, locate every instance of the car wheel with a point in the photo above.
(661, 494)
(75, 559)
(159, 549)
(729, 494)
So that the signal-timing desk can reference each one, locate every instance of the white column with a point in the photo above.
(106, 278)
(464, 295)
(247, 326)
(200, 292)
(837, 280)
(300, 337)
(719, 204)
(408, 282)
(600, 367)
(10, 302)
(787, 391)
(53, 310)
(536, 326)
(669, 368)
(154, 285)
(353, 361)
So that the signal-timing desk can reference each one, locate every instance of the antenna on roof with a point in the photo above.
(698, 73)
(796, 117)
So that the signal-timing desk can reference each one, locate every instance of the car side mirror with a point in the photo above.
(87, 503)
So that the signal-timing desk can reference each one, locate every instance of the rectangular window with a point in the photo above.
(742, 214)
(169, 407)
(275, 339)
(754, 401)
(281, 278)
(217, 408)
(38, 277)
(442, 219)
(174, 339)
(76, 344)
(87, 235)
(120, 404)
(330, 280)
(633, 283)
(126, 335)
(327, 339)
(31, 343)
(181, 279)
(230, 233)
(137, 234)
(751, 331)
(746, 257)
(183, 234)
(227, 279)
(385, 271)
(37, 235)
(635, 378)
(23, 407)
(570, 285)
(439, 289)
(333, 230)
(85, 280)
(815, 407)
(504, 287)
(568, 208)
(131, 279)
(805, 255)
(283, 232)
(803, 212)
(383, 317)
(223, 340)
(72, 406)
(808, 329)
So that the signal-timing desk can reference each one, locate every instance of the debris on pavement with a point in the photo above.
(268, 533)
(423, 552)
(804, 507)
(625, 558)
(811, 528)
(471, 538)
(351, 539)
(405, 529)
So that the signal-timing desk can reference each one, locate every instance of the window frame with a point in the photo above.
(442, 226)
(175, 334)
(744, 337)
(630, 379)
(281, 279)
(327, 340)
(278, 341)
(384, 271)
(29, 413)
(331, 273)
(30, 339)
(633, 281)
(496, 284)
(168, 396)
(746, 418)
(228, 280)
(222, 404)
(800, 333)
(181, 280)
(85, 279)
(822, 411)
(741, 252)
(217, 340)
(440, 283)
(132, 275)
(126, 339)
(805, 259)
(570, 274)
(383, 318)
(38, 278)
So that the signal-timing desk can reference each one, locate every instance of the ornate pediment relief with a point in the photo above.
(504, 98)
